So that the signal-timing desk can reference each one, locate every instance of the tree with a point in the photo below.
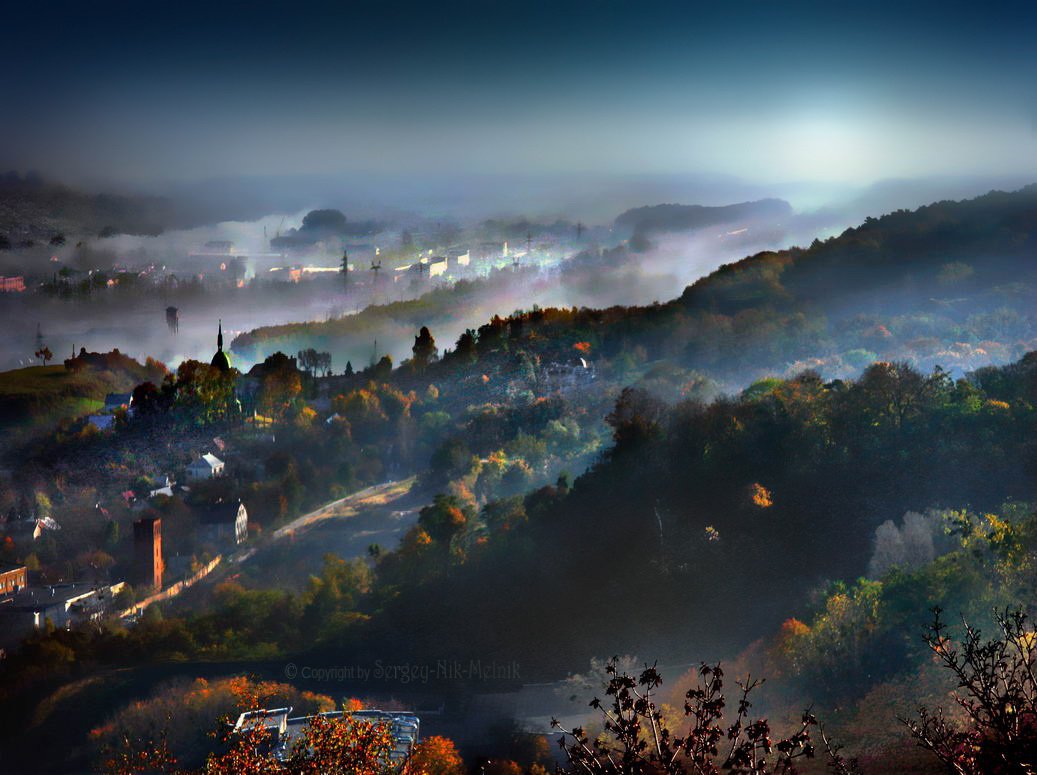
(45, 355)
(465, 348)
(341, 746)
(636, 418)
(280, 386)
(313, 361)
(425, 350)
(637, 740)
(434, 755)
(997, 692)
(344, 270)
(895, 393)
(383, 369)
(146, 399)
(444, 519)
(204, 391)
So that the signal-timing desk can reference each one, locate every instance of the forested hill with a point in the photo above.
(654, 219)
(950, 284)
(700, 510)
(946, 253)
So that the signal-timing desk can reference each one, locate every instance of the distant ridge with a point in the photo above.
(677, 217)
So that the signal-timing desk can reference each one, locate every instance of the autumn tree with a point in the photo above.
(997, 691)
(341, 746)
(443, 519)
(280, 386)
(434, 755)
(45, 355)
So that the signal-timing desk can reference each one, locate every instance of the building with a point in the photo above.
(12, 284)
(220, 360)
(147, 553)
(13, 578)
(161, 486)
(437, 265)
(458, 257)
(224, 522)
(219, 247)
(61, 605)
(208, 466)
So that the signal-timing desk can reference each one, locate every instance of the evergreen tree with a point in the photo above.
(424, 349)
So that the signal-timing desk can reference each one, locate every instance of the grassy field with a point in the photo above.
(39, 396)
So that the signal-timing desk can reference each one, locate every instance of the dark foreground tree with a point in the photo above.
(637, 741)
(997, 691)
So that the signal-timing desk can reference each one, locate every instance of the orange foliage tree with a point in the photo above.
(435, 756)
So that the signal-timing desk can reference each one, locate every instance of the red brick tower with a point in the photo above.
(147, 547)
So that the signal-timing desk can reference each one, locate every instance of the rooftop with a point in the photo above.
(221, 511)
(209, 460)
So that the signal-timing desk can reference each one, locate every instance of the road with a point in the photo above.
(346, 527)
(378, 495)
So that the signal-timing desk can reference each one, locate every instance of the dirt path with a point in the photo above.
(346, 527)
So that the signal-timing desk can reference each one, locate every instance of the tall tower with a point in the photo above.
(220, 360)
(147, 552)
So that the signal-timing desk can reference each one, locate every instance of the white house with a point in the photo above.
(161, 486)
(207, 466)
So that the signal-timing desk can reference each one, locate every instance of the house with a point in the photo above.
(459, 257)
(13, 578)
(224, 522)
(114, 401)
(62, 605)
(437, 265)
(161, 486)
(207, 466)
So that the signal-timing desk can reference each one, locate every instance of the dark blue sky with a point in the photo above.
(770, 91)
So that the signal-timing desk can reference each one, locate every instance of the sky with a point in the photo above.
(846, 92)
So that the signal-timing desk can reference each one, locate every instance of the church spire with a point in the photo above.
(221, 360)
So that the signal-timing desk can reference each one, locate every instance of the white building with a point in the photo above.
(208, 466)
